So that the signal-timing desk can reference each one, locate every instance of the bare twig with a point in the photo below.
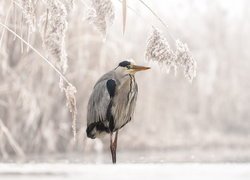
(151, 10)
(158, 17)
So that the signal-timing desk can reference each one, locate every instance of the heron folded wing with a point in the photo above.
(99, 103)
(111, 87)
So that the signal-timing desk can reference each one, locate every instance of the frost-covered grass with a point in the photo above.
(125, 171)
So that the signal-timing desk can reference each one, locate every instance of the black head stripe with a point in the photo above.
(124, 63)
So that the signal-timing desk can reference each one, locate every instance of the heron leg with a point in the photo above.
(112, 148)
(115, 145)
(115, 141)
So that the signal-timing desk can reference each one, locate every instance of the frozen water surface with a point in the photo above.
(173, 171)
(130, 165)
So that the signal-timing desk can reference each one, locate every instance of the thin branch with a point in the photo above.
(38, 53)
(151, 10)
(157, 17)
(134, 11)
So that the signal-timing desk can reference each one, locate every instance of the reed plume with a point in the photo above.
(29, 13)
(104, 15)
(185, 59)
(53, 29)
(70, 92)
(158, 50)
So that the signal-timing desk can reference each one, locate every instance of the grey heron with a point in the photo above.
(112, 102)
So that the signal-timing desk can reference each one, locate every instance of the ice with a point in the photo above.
(129, 171)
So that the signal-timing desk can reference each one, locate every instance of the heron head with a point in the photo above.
(129, 67)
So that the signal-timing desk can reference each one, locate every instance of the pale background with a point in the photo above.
(175, 121)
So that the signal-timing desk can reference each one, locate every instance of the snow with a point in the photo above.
(175, 171)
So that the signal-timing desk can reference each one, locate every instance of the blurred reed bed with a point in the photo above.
(31, 121)
(36, 117)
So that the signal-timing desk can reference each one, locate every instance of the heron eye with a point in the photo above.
(128, 67)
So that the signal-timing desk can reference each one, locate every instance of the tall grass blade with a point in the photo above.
(124, 14)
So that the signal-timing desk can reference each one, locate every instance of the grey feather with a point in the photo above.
(99, 100)
(122, 104)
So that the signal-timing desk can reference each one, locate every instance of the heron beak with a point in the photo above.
(136, 68)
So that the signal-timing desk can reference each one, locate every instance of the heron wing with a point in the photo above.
(100, 99)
